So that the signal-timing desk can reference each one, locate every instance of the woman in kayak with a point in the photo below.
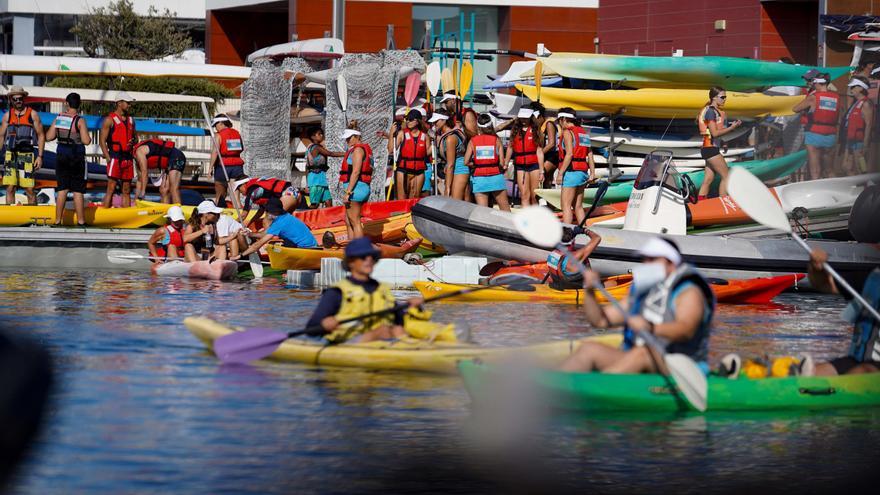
(355, 175)
(450, 156)
(357, 295)
(317, 167)
(668, 299)
(200, 236)
(527, 153)
(562, 266)
(167, 242)
(577, 168)
(483, 155)
(712, 122)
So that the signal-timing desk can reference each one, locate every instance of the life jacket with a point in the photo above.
(459, 146)
(557, 263)
(865, 344)
(231, 147)
(657, 305)
(119, 141)
(366, 166)
(823, 120)
(413, 152)
(20, 134)
(315, 163)
(259, 190)
(581, 150)
(525, 148)
(486, 160)
(158, 152)
(66, 129)
(703, 124)
(356, 302)
(173, 239)
(547, 123)
(855, 122)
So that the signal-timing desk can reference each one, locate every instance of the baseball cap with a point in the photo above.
(208, 206)
(175, 214)
(658, 247)
(349, 133)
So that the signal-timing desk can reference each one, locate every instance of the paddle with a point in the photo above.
(759, 203)
(455, 78)
(253, 258)
(540, 226)
(446, 80)
(410, 92)
(117, 258)
(256, 343)
(539, 73)
(601, 189)
(467, 78)
(342, 96)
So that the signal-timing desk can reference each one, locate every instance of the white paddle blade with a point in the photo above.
(689, 379)
(432, 77)
(756, 200)
(539, 226)
(342, 92)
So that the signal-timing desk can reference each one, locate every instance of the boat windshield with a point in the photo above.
(651, 173)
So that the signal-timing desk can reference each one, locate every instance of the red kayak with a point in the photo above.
(322, 218)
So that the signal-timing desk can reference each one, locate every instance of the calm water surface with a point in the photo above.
(140, 407)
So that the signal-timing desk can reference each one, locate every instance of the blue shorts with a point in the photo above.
(527, 168)
(855, 145)
(234, 173)
(429, 177)
(361, 192)
(820, 140)
(489, 183)
(319, 194)
(574, 178)
(460, 167)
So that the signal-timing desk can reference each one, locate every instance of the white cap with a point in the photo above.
(349, 133)
(564, 115)
(208, 207)
(658, 248)
(422, 111)
(524, 113)
(448, 96)
(437, 116)
(875, 72)
(221, 118)
(238, 183)
(859, 83)
(123, 96)
(175, 214)
(819, 80)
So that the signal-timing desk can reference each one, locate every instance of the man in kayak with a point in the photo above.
(562, 268)
(668, 299)
(356, 295)
(286, 227)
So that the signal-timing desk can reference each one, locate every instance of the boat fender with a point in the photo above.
(864, 218)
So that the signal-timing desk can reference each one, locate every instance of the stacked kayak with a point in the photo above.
(188, 210)
(385, 230)
(210, 270)
(599, 392)
(96, 216)
(287, 258)
(403, 355)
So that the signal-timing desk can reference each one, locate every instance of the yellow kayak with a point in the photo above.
(121, 218)
(661, 103)
(504, 294)
(289, 258)
(412, 233)
(401, 355)
(188, 210)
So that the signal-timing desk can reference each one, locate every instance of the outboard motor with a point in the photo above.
(657, 201)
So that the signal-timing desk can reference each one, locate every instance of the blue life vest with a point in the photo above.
(865, 345)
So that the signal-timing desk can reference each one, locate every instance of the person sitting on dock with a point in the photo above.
(668, 299)
(562, 265)
(286, 227)
(166, 243)
(117, 138)
(22, 131)
(162, 155)
(200, 236)
(260, 190)
(356, 295)
(71, 170)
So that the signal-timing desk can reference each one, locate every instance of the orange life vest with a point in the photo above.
(119, 141)
(231, 147)
(525, 149)
(703, 124)
(824, 117)
(855, 122)
(366, 174)
(413, 152)
(20, 134)
(486, 160)
(158, 152)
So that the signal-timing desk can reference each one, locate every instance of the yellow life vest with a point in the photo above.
(355, 302)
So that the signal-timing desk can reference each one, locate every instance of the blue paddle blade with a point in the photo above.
(248, 345)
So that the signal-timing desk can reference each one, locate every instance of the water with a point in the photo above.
(140, 407)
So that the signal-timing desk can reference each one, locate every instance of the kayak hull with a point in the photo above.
(95, 216)
(386, 230)
(286, 258)
(213, 270)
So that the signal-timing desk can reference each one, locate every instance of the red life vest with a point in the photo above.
(158, 152)
(119, 141)
(580, 143)
(855, 122)
(824, 116)
(525, 149)
(413, 152)
(486, 160)
(805, 116)
(366, 165)
(272, 186)
(231, 147)
(175, 240)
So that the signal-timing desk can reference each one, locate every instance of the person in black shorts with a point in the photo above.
(71, 170)
(162, 157)
(712, 122)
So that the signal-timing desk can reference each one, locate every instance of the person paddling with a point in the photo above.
(562, 266)
(355, 175)
(483, 153)
(577, 167)
(167, 243)
(668, 299)
(359, 294)
(712, 122)
(286, 227)
(317, 167)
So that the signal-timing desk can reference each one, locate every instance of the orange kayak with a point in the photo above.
(320, 218)
(286, 258)
(386, 230)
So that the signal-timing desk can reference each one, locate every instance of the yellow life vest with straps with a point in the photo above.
(355, 302)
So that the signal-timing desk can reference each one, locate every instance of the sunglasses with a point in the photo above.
(722, 97)
(17, 99)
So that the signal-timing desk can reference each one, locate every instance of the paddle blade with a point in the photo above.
(249, 345)
(539, 226)
(432, 77)
(756, 200)
(455, 78)
(539, 73)
(467, 78)
(446, 80)
(411, 89)
(689, 379)
(256, 265)
(342, 92)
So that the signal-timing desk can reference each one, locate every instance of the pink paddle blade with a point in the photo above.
(248, 345)
(413, 81)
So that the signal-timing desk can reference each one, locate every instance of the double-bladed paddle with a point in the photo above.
(342, 96)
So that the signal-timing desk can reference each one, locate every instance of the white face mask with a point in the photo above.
(647, 275)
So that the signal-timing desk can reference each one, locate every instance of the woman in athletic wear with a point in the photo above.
(483, 154)
(355, 176)
(412, 159)
(712, 122)
(450, 156)
(527, 153)
(577, 167)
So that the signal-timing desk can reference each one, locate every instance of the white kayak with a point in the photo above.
(211, 270)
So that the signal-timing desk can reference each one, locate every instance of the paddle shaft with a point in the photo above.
(603, 188)
(142, 257)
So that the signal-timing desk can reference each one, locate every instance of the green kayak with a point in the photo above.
(731, 73)
(598, 392)
(620, 191)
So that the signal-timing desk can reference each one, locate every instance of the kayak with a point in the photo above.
(335, 215)
(642, 142)
(600, 392)
(96, 216)
(402, 355)
(750, 291)
(620, 191)
(211, 270)
(288, 258)
(732, 73)
(386, 230)
(187, 210)
(661, 103)
(426, 245)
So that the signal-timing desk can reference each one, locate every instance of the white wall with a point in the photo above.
(185, 9)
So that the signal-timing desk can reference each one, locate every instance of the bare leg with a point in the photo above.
(165, 191)
(141, 188)
(220, 193)
(400, 185)
(10, 195)
(578, 206)
(459, 186)
(126, 194)
(814, 162)
(482, 199)
(549, 169)
(568, 195)
(31, 195)
(708, 179)
(591, 356)
(79, 206)
(415, 185)
(190, 253)
(501, 199)
(384, 332)
(60, 200)
(173, 180)
(522, 181)
(636, 360)
(357, 228)
(535, 178)
(108, 196)
(718, 165)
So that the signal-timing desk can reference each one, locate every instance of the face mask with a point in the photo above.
(647, 275)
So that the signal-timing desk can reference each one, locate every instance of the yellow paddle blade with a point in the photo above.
(455, 79)
(447, 82)
(539, 73)
(467, 77)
